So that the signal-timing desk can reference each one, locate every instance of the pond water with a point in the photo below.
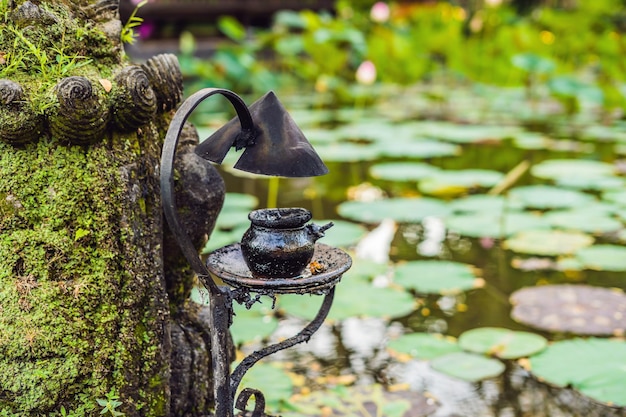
(447, 153)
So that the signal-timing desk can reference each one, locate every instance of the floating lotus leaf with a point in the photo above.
(583, 221)
(424, 345)
(240, 201)
(402, 210)
(578, 309)
(347, 152)
(373, 129)
(278, 392)
(605, 133)
(503, 343)
(436, 277)
(402, 171)
(468, 366)
(494, 225)
(531, 141)
(352, 298)
(617, 197)
(554, 169)
(342, 233)
(418, 148)
(549, 197)
(483, 203)
(548, 242)
(469, 133)
(591, 183)
(220, 238)
(362, 401)
(440, 182)
(603, 257)
(593, 366)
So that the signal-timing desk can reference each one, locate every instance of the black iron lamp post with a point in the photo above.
(273, 145)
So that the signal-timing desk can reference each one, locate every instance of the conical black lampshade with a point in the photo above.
(280, 147)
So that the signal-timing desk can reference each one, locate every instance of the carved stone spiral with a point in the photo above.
(29, 13)
(19, 123)
(166, 79)
(102, 10)
(82, 114)
(134, 101)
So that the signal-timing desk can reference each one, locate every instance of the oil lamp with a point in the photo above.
(264, 263)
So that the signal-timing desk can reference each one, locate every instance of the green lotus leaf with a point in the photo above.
(347, 152)
(220, 238)
(591, 183)
(503, 343)
(617, 197)
(548, 242)
(469, 133)
(555, 169)
(418, 148)
(240, 201)
(483, 203)
(402, 171)
(441, 182)
(436, 277)
(584, 221)
(342, 233)
(352, 298)
(468, 366)
(549, 197)
(402, 210)
(603, 257)
(424, 345)
(278, 391)
(593, 366)
(493, 225)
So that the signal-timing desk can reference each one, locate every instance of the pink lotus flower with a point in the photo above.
(366, 73)
(380, 12)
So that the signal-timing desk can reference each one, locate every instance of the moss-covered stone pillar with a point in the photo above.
(93, 297)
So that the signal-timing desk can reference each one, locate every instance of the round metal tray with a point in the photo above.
(228, 264)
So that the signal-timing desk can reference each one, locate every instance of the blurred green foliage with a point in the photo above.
(567, 52)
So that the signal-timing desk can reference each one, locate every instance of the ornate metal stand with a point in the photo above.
(227, 263)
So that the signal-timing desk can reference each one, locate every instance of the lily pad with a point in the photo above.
(442, 182)
(402, 210)
(347, 152)
(591, 183)
(593, 366)
(436, 277)
(343, 233)
(483, 203)
(418, 148)
(578, 309)
(352, 298)
(503, 343)
(233, 201)
(555, 169)
(603, 257)
(469, 133)
(424, 345)
(278, 392)
(494, 225)
(583, 221)
(617, 197)
(468, 366)
(402, 171)
(548, 242)
(549, 197)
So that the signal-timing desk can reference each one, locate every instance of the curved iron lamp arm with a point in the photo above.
(220, 302)
(167, 171)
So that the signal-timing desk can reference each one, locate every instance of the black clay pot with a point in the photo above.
(279, 243)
